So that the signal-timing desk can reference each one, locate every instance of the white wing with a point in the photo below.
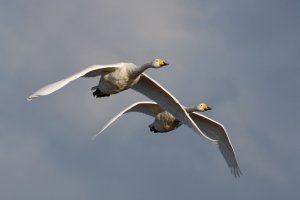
(146, 107)
(216, 131)
(92, 71)
(167, 101)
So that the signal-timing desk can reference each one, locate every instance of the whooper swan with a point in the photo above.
(165, 122)
(121, 76)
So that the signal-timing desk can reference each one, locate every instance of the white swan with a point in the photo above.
(121, 76)
(114, 78)
(165, 122)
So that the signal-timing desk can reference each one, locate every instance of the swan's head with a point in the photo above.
(203, 107)
(157, 63)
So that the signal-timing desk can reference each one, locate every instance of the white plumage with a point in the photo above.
(165, 122)
(121, 76)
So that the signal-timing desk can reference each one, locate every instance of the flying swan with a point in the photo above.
(122, 76)
(165, 122)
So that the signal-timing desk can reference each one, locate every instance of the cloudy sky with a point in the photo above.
(240, 57)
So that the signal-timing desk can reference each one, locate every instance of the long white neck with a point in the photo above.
(141, 69)
(192, 109)
(145, 66)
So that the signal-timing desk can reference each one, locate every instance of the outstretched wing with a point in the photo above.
(146, 107)
(167, 101)
(216, 131)
(92, 71)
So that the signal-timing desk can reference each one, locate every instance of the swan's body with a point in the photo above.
(114, 78)
(122, 76)
(165, 122)
(121, 79)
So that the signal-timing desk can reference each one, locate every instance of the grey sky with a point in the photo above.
(240, 57)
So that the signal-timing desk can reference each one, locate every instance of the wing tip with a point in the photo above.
(236, 172)
(30, 98)
(93, 138)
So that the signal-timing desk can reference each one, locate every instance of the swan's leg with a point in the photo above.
(97, 93)
(152, 129)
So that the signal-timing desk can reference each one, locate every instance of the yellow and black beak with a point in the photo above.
(163, 63)
(206, 107)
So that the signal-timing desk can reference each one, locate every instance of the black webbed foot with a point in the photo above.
(152, 129)
(97, 93)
